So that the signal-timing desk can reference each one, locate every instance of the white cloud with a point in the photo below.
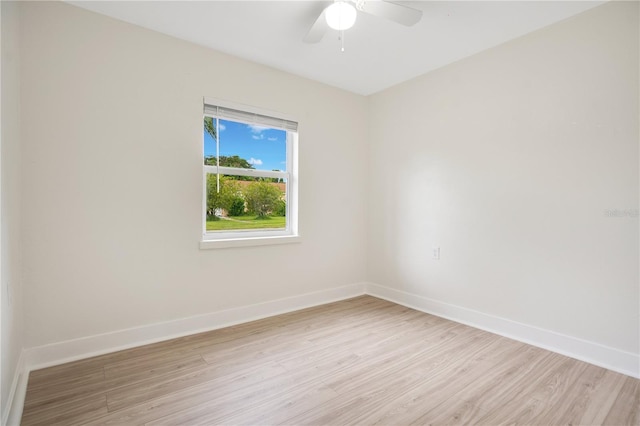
(257, 137)
(222, 127)
(255, 161)
(272, 139)
(256, 128)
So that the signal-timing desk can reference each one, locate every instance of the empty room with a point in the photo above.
(319, 212)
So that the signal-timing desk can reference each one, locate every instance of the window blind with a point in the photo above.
(250, 117)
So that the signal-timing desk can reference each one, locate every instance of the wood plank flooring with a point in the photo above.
(359, 361)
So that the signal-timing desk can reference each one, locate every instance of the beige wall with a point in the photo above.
(112, 179)
(10, 249)
(509, 160)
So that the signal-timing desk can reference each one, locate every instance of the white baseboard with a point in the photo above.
(594, 353)
(15, 402)
(85, 347)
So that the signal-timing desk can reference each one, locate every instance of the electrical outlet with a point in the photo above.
(436, 253)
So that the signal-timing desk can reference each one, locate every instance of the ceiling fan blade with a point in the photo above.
(317, 30)
(395, 12)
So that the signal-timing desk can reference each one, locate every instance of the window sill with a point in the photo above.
(249, 242)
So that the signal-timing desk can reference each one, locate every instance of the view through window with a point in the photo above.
(247, 169)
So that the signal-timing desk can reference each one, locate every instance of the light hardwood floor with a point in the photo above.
(359, 361)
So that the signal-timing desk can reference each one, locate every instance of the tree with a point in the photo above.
(210, 128)
(227, 198)
(281, 208)
(262, 198)
(233, 161)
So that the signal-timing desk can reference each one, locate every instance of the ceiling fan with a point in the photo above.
(341, 15)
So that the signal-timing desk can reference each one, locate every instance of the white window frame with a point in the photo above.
(239, 238)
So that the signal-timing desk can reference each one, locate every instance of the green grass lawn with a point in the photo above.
(246, 222)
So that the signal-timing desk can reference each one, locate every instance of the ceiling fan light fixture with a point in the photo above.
(340, 15)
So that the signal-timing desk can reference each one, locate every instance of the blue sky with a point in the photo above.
(263, 147)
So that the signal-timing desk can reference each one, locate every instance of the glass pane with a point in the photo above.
(245, 203)
(252, 147)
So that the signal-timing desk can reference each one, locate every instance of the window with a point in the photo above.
(249, 176)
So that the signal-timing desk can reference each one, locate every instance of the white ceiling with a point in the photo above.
(378, 53)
